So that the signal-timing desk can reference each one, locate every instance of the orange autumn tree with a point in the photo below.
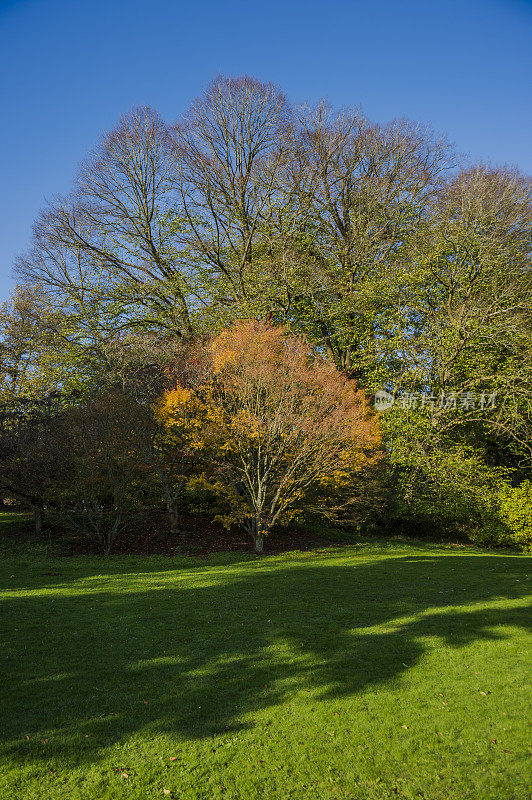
(283, 421)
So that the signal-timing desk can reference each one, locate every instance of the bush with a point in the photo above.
(104, 482)
(516, 514)
(201, 496)
(509, 522)
(437, 487)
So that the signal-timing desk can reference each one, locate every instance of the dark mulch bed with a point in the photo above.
(149, 535)
(202, 536)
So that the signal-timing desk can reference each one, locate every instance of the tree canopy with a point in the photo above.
(361, 256)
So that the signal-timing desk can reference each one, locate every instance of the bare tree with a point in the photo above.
(109, 247)
(231, 149)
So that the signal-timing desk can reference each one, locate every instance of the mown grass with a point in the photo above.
(372, 671)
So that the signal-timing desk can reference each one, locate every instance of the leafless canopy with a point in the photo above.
(230, 151)
(112, 238)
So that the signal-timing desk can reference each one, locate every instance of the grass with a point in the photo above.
(373, 671)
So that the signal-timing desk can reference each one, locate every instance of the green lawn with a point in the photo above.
(377, 671)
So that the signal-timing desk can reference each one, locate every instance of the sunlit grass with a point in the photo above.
(380, 671)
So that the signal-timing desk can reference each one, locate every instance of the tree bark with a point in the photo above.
(171, 506)
(173, 516)
(37, 518)
(257, 534)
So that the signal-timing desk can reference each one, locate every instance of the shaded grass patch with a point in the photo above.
(362, 672)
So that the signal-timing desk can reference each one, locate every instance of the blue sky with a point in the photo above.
(70, 68)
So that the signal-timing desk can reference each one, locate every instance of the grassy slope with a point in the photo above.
(378, 671)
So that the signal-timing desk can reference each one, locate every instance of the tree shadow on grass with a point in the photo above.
(196, 651)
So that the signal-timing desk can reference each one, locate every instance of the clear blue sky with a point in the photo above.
(69, 68)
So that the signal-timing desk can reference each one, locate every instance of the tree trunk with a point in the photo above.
(171, 507)
(37, 518)
(257, 534)
(173, 516)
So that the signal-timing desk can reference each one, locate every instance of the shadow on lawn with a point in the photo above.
(201, 656)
